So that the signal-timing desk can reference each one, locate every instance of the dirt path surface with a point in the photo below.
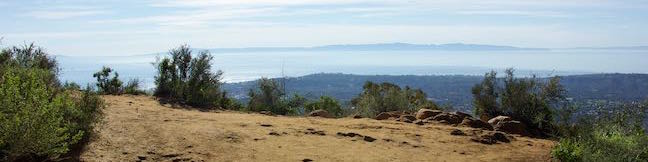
(139, 128)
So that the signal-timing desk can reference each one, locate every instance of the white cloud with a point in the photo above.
(515, 13)
(63, 14)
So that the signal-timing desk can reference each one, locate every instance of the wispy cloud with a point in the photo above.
(62, 14)
(515, 13)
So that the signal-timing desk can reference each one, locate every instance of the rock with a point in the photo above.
(485, 139)
(500, 136)
(141, 157)
(383, 116)
(476, 123)
(356, 116)
(511, 127)
(461, 115)
(447, 118)
(369, 139)
(426, 113)
(407, 118)
(274, 134)
(457, 132)
(388, 115)
(266, 113)
(419, 122)
(319, 113)
(350, 134)
(498, 119)
(307, 160)
(266, 125)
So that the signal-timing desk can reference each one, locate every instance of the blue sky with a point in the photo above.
(127, 27)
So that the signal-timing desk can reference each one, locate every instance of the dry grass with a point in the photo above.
(139, 126)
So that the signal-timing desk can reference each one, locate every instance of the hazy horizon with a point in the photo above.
(120, 27)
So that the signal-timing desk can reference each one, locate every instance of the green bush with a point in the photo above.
(186, 80)
(610, 134)
(107, 85)
(40, 120)
(327, 103)
(133, 87)
(525, 99)
(385, 97)
(270, 97)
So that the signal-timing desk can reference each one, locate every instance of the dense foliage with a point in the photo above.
(608, 134)
(270, 96)
(39, 119)
(525, 99)
(331, 105)
(107, 85)
(385, 97)
(456, 89)
(189, 80)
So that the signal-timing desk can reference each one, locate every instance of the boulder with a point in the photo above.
(457, 132)
(461, 115)
(476, 123)
(383, 116)
(407, 118)
(447, 118)
(388, 115)
(491, 137)
(426, 113)
(319, 113)
(498, 119)
(356, 116)
(419, 122)
(511, 127)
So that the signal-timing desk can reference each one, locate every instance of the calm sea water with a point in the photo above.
(253, 65)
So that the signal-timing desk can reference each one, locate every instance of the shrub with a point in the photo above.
(610, 134)
(327, 103)
(269, 96)
(525, 99)
(377, 98)
(186, 80)
(39, 119)
(133, 87)
(106, 85)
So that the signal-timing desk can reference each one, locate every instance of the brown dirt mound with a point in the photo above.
(139, 128)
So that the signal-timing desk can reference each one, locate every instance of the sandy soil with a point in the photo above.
(138, 127)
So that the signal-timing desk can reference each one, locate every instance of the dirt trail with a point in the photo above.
(138, 127)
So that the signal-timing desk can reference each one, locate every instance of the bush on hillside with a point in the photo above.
(269, 96)
(327, 103)
(525, 99)
(133, 87)
(385, 97)
(39, 119)
(610, 134)
(107, 85)
(187, 80)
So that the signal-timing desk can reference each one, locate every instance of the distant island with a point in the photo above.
(381, 47)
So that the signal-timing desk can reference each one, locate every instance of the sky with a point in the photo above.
(131, 27)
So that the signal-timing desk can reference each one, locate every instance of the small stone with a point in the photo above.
(457, 132)
(141, 157)
(369, 139)
(307, 160)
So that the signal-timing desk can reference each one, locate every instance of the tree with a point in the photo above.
(107, 85)
(39, 119)
(384, 97)
(187, 80)
(525, 99)
(327, 103)
(485, 97)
